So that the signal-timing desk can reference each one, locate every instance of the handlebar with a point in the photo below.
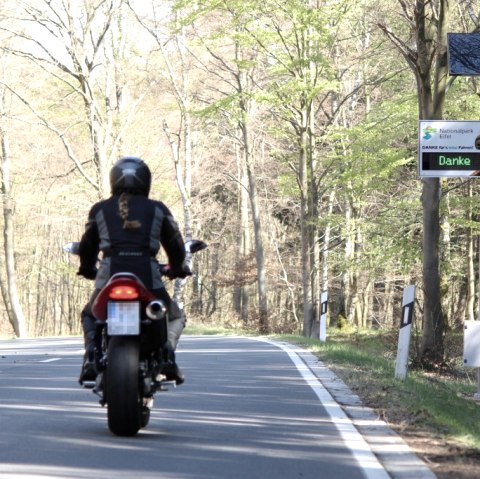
(191, 247)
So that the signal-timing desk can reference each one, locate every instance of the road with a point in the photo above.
(248, 409)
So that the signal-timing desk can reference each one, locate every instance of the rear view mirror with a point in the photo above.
(193, 246)
(72, 248)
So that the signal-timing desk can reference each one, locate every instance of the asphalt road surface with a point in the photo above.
(248, 409)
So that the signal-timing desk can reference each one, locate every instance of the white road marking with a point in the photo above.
(360, 449)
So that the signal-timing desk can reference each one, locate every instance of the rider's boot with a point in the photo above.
(170, 368)
(88, 372)
(175, 327)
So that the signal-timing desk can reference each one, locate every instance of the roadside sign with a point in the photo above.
(449, 148)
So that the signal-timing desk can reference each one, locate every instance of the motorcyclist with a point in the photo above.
(128, 228)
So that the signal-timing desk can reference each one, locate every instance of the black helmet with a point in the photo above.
(130, 174)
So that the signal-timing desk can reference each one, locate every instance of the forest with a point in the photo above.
(284, 133)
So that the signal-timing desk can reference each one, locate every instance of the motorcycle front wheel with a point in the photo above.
(124, 404)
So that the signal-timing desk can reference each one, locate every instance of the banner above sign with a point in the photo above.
(463, 53)
(449, 148)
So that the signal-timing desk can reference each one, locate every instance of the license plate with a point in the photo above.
(123, 318)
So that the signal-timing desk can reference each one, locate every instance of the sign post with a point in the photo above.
(449, 148)
(405, 332)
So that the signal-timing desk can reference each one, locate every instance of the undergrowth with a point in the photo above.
(440, 402)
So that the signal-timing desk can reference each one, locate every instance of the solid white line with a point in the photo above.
(360, 449)
(49, 360)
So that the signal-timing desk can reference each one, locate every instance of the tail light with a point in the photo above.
(121, 287)
(123, 292)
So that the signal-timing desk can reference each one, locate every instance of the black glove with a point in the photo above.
(172, 273)
(165, 270)
(182, 273)
(88, 273)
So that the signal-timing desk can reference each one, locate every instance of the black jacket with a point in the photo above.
(130, 250)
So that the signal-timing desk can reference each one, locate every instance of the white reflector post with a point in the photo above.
(405, 332)
(471, 350)
(471, 344)
(323, 316)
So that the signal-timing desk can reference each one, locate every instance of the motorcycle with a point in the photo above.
(129, 352)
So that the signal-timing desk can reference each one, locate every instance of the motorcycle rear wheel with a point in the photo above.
(124, 404)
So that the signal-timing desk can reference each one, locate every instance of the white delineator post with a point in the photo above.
(405, 332)
(471, 349)
(323, 316)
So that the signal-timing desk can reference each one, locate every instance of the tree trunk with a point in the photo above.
(314, 242)
(15, 312)
(242, 82)
(241, 296)
(433, 327)
(326, 243)
(257, 231)
(181, 175)
(470, 302)
(431, 107)
(308, 310)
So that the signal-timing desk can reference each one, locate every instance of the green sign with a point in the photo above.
(451, 161)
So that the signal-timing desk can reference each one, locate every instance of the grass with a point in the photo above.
(433, 402)
(209, 329)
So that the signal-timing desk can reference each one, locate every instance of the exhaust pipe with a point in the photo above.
(156, 309)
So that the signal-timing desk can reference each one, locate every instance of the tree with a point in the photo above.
(231, 64)
(9, 291)
(180, 142)
(297, 114)
(428, 21)
(294, 36)
(241, 73)
(80, 47)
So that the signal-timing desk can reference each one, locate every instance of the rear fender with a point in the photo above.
(99, 307)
